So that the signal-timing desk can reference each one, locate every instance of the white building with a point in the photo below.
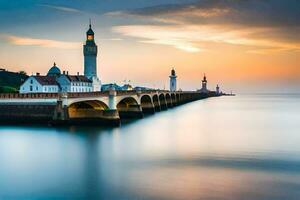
(71, 83)
(173, 81)
(55, 81)
(40, 84)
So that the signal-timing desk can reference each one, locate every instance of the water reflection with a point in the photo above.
(246, 147)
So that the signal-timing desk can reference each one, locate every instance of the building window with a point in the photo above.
(31, 81)
(37, 88)
(30, 88)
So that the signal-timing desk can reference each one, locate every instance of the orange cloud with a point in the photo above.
(26, 41)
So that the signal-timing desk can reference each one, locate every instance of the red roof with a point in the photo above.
(80, 78)
(46, 80)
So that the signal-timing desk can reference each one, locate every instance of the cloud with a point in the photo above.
(26, 41)
(159, 35)
(112, 39)
(270, 25)
(61, 8)
(239, 12)
(189, 37)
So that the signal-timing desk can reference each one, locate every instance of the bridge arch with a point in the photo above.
(147, 104)
(173, 98)
(169, 100)
(177, 98)
(86, 109)
(156, 103)
(162, 101)
(129, 107)
(126, 103)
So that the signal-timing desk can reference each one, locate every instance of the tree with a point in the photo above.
(22, 72)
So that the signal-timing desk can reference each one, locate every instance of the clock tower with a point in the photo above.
(90, 51)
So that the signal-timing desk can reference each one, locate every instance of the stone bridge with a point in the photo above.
(105, 108)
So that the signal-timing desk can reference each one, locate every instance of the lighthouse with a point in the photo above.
(173, 82)
(90, 51)
(204, 85)
(218, 90)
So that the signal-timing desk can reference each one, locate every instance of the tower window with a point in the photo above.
(90, 37)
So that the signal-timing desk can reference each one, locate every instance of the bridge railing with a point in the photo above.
(130, 92)
(29, 96)
(87, 94)
(84, 94)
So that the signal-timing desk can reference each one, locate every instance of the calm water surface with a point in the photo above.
(227, 148)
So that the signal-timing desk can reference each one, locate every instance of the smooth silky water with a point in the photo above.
(228, 148)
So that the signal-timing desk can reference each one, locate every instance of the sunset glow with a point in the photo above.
(240, 45)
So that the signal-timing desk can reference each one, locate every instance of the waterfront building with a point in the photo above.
(72, 83)
(204, 85)
(40, 84)
(109, 86)
(55, 81)
(173, 81)
(125, 87)
(141, 88)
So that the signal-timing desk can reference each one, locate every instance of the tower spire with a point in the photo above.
(90, 23)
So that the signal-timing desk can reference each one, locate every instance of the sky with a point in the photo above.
(245, 46)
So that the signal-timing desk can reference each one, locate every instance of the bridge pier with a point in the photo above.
(148, 110)
(101, 118)
(156, 103)
(85, 114)
(157, 108)
(147, 105)
(163, 102)
(131, 112)
(88, 117)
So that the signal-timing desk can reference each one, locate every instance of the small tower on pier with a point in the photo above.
(173, 81)
(218, 90)
(204, 85)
